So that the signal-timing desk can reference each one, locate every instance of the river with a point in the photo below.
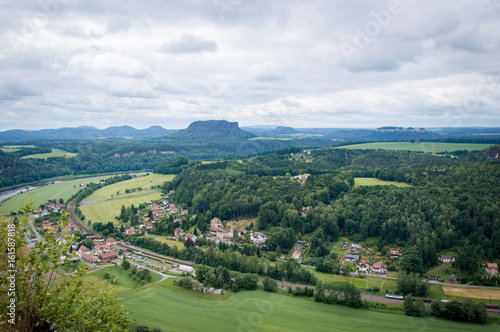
(12, 192)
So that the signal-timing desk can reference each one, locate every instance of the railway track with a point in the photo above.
(160, 257)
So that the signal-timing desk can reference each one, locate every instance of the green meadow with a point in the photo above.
(161, 305)
(54, 153)
(144, 182)
(107, 210)
(427, 147)
(376, 182)
(41, 195)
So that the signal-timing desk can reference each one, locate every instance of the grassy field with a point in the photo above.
(144, 182)
(427, 147)
(41, 195)
(170, 310)
(366, 283)
(124, 282)
(107, 210)
(475, 293)
(54, 153)
(164, 239)
(376, 182)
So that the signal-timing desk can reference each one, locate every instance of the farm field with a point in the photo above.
(41, 195)
(381, 283)
(124, 282)
(475, 293)
(54, 153)
(427, 147)
(109, 209)
(157, 306)
(376, 182)
(164, 239)
(144, 182)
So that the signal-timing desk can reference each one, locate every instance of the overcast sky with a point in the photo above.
(68, 63)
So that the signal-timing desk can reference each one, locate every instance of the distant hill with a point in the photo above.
(83, 132)
(211, 130)
(282, 130)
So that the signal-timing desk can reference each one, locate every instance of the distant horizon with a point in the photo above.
(245, 126)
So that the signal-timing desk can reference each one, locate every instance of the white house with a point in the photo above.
(447, 258)
(379, 268)
(297, 254)
(258, 237)
(363, 267)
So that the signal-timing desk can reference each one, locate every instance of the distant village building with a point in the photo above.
(394, 253)
(492, 269)
(363, 267)
(215, 222)
(107, 256)
(297, 254)
(447, 258)
(302, 176)
(379, 268)
(258, 237)
(110, 241)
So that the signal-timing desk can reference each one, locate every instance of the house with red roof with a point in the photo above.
(379, 268)
(130, 231)
(110, 241)
(107, 256)
(71, 228)
(394, 253)
(297, 254)
(82, 250)
(492, 269)
(89, 258)
(258, 237)
(99, 249)
(363, 267)
(149, 225)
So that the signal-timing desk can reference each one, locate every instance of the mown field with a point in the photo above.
(376, 182)
(160, 306)
(107, 210)
(54, 153)
(427, 147)
(144, 182)
(124, 282)
(41, 195)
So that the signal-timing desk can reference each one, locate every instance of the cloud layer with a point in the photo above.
(303, 64)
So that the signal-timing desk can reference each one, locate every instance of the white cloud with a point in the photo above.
(259, 62)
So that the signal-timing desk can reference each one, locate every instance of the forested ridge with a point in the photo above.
(452, 203)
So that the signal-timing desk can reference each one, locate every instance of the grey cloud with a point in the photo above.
(188, 43)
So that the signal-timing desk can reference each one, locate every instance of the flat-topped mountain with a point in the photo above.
(211, 130)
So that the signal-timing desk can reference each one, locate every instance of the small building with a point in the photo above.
(492, 269)
(82, 250)
(452, 277)
(215, 222)
(186, 268)
(258, 237)
(149, 225)
(107, 256)
(357, 245)
(130, 231)
(379, 268)
(192, 237)
(71, 228)
(297, 254)
(179, 232)
(46, 224)
(352, 258)
(434, 278)
(89, 258)
(394, 254)
(110, 241)
(99, 249)
(363, 267)
(446, 258)
(302, 176)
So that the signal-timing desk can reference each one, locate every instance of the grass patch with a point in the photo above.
(376, 182)
(54, 153)
(169, 284)
(41, 195)
(144, 182)
(263, 311)
(107, 210)
(124, 281)
(427, 147)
